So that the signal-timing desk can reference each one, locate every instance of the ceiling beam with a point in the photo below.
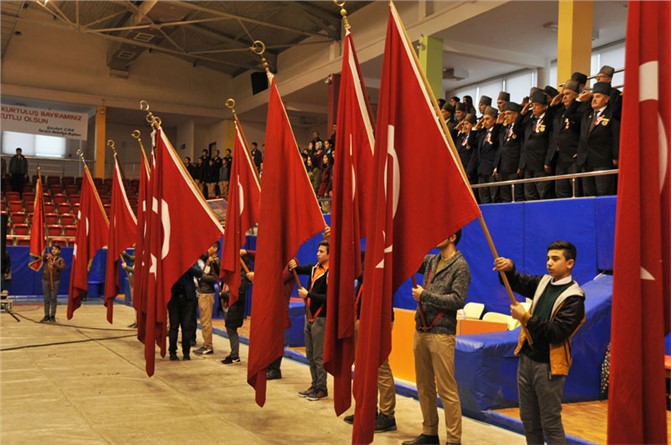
(215, 12)
(321, 18)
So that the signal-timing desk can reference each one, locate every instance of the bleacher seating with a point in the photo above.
(68, 219)
(30, 206)
(55, 229)
(12, 196)
(65, 207)
(15, 206)
(60, 198)
(51, 218)
(18, 218)
(68, 180)
(21, 229)
(56, 188)
(49, 207)
(70, 230)
(72, 189)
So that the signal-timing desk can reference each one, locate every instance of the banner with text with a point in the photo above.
(67, 124)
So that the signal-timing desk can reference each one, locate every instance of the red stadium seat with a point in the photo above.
(56, 188)
(106, 199)
(12, 196)
(70, 230)
(28, 196)
(74, 199)
(108, 182)
(30, 206)
(68, 180)
(72, 189)
(19, 218)
(66, 207)
(60, 198)
(53, 180)
(51, 218)
(21, 229)
(22, 241)
(15, 206)
(78, 181)
(68, 219)
(49, 207)
(55, 229)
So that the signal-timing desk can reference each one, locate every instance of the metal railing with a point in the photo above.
(571, 177)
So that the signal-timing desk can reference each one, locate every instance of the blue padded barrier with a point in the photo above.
(562, 219)
(486, 367)
(604, 215)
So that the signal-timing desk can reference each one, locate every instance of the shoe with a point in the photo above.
(423, 439)
(203, 350)
(384, 423)
(273, 374)
(317, 395)
(45, 319)
(173, 356)
(186, 357)
(307, 392)
(132, 325)
(231, 361)
(349, 419)
(52, 319)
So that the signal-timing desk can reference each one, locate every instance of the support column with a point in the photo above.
(229, 136)
(100, 145)
(574, 46)
(431, 60)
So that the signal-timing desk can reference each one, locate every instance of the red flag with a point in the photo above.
(289, 216)
(242, 212)
(351, 186)
(637, 412)
(139, 276)
(181, 227)
(91, 235)
(37, 230)
(122, 234)
(416, 207)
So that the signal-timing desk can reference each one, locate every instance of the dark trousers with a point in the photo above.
(17, 183)
(180, 311)
(598, 185)
(275, 366)
(506, 192)
(487, 194)
(536, 190)
(564, 187)
(540, 398)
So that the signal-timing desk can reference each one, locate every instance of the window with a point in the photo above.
(517, 84)
(34, 144)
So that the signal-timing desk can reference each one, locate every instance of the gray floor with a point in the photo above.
(83, 386)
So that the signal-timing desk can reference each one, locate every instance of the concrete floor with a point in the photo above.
(83, 382)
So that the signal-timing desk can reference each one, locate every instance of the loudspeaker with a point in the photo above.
(259, 82)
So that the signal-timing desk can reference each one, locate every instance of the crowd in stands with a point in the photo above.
(550, 132)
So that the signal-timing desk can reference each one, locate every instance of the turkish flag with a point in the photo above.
(289, 216)
(139, 274)
(421, 198)
(91, 235)
(244, 193)
(37, 230)
(351, 186)
(642, 269)
(181, 226)
(122, 234)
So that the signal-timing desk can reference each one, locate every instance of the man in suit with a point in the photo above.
(482, 161)
(536, 153)
(599, 144)
(506, 165)
(567, 134)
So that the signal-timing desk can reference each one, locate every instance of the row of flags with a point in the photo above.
(383, 191)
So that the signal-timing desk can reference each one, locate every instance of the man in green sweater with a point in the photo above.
(556, 313)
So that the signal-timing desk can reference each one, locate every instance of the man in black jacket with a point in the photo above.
(181, 308)
(482, 161)
(315, 320)
(557, 311)
(536, 152)
(599, 144)
(205, 294)
(506, 165)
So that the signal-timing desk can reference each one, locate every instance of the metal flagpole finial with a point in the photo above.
(258, 47)
(80, 153)
(110, 144)
(154, 121)
(136, 135)
(230, 104)
(343, 13)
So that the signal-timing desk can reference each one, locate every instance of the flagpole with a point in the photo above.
(44, 219)
(455, 154)
(230, 104)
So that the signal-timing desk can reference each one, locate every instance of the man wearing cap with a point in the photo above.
(454, 101)
(581, 79)
(466, 142)
(504, 97)
(482, 162)
(448, 114)
(566, 128)
(485, 101)
(605, 75)
(599, 144)
(460, 114)
(506, 165)
(536, 153)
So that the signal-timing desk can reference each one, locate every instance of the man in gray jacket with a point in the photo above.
(443, 292)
